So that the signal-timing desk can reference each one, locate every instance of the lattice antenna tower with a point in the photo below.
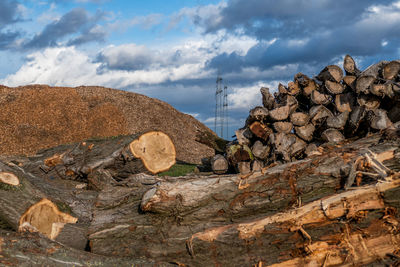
(225, 121)
(221, 108)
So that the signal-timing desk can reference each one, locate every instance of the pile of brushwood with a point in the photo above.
(103, 202)
(299, 117)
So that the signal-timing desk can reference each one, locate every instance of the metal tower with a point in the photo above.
(221, 109)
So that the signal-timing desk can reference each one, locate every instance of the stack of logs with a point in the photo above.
(308, 112)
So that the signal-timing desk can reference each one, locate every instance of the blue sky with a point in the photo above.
(173, 50)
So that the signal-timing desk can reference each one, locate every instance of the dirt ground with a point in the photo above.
(39, 116)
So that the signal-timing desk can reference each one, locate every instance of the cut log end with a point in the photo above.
(156, 150)
(9, 178)
(46, 218)
(219, 164)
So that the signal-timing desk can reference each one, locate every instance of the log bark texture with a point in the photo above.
(172, 211)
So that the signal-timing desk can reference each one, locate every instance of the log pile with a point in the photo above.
(333, 106)
(293, 214)
(100, 201)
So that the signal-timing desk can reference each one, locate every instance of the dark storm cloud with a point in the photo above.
(308, 31)
(9, 15)
(8, 12)
(75, 21)
(270, 18)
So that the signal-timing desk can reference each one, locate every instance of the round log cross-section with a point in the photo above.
(156, 151)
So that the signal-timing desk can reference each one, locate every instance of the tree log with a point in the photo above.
(282, 144)
(283, 127)
(24, 207)
(363, 84)
(319, 114)
(370, 102)
(338, 121)
(334, 87)
(258, 114)
(332, 135)
(349, 65)
(325, 232)
(219, 164)
(382, 90)
(350, 81)
(175, 209)
(282, 89)
(121, 156)
(391, 70)
(280, 114)
(379, 120)
(243, 136)
(299, 118)
(320, 98)
(331, 73)
(268, 99)
(293, 88)
(344, 102)
(236, 153)
(375, 69)
(260, 130)
(356, 116)
(33, 249)
(305, 132)
(310, 88)
(260, 151)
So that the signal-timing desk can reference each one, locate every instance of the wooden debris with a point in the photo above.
(349, 65)
(9, 178)
(334, 87)
(331, 73)
(332, 135)
(219, 164)
(299, 118)
(283, 127)
(391, 70)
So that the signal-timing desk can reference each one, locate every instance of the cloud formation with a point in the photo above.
(75, 21)
(307, 32)
(10, 13)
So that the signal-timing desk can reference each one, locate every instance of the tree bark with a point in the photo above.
(120, 156)
(25, 207)
(174, 210)
(33, 249)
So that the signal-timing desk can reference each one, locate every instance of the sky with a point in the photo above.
(173, 50)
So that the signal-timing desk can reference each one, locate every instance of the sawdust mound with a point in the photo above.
(39, 116)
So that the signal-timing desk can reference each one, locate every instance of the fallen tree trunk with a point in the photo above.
(160, 223)
(118, 157)
(351, 228)
(24, 207)
(33, 249)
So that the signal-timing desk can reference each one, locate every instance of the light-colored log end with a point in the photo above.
(156, 150)
(46, 218)
(9, 178)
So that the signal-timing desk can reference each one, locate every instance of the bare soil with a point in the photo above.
(39, 116)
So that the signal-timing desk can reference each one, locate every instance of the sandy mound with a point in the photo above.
(38, 116)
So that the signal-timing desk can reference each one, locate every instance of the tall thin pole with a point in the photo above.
(218, 105)
(225, 108)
